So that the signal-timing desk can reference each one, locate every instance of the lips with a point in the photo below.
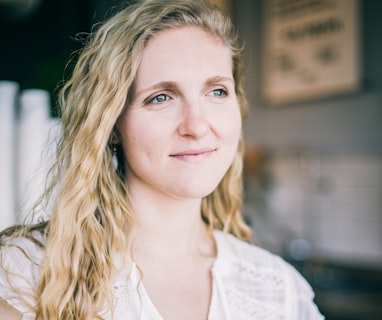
(193, 154)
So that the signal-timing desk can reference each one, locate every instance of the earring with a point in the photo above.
(114, 149)
(114, 155)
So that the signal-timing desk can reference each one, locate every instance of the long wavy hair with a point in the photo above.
(91, 219)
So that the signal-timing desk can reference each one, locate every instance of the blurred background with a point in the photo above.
(313, 166)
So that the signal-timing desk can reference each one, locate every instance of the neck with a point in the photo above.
(170, 227)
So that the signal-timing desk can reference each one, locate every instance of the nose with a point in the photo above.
(193, 123)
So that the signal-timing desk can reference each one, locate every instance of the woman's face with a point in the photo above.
(181, 130)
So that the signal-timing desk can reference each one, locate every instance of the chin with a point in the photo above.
(198, 191)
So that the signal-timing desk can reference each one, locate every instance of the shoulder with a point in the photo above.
(262, 281)
(20, 261)
(246, 258)
(243, 253)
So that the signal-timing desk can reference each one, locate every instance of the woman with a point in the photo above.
(146, 221)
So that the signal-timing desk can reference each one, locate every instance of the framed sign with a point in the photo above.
(311, 49)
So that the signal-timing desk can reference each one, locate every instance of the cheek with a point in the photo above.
(230, 126)
(129, 136)
(139, 139)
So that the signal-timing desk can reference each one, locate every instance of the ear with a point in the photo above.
(115, 137)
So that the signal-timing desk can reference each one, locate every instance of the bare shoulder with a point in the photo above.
(7, 312)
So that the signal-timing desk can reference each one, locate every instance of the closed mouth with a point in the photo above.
(193, 154)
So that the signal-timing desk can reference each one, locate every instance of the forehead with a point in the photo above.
(187, 49)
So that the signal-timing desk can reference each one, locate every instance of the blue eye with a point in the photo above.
(219, 93)
(160, 98)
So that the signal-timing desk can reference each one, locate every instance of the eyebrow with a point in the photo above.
(216, 79)
(160, 85)
(169, 85)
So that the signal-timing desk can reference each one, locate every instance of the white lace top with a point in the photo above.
(248, 283)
